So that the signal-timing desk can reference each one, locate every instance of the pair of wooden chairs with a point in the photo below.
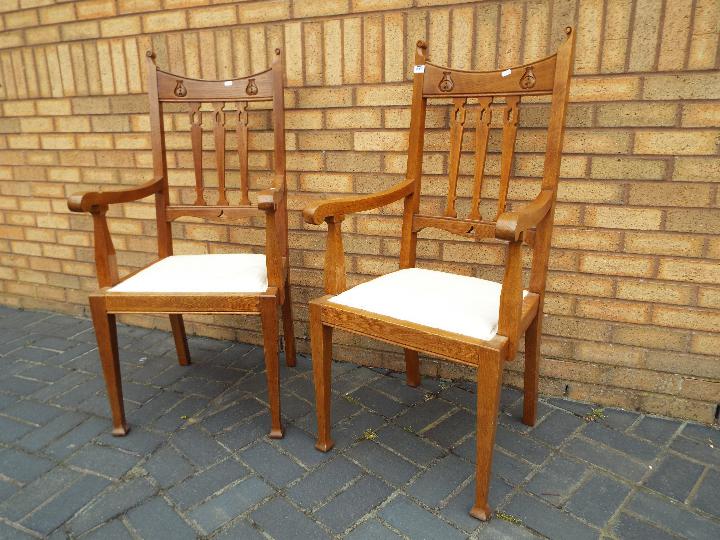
(463, 319)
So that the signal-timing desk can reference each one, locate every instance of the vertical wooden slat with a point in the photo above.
(220, 151)
(510, 122)
(482, 133)
(196, 137)
(242, 148)
(457, 128)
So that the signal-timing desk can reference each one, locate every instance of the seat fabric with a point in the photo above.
(460, 304)
(212, 273)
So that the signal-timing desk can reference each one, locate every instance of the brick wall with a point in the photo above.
(634, 291)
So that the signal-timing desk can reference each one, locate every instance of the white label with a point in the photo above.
(228, 83)
(506, 72)
(419, 69)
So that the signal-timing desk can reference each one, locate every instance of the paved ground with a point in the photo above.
(197, 462)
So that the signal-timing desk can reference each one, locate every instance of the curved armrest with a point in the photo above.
(84, 202)
(268, 199)
(317, 212)
(510, 225)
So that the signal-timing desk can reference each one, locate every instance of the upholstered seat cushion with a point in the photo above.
(231, 273)
(459, 304)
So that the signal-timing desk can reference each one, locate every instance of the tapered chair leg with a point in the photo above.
(488, 402)
(288, 331)
(532, 372)
(106, 333)
(321, 341)
(181, 343)
(269, 317)
(412, 368)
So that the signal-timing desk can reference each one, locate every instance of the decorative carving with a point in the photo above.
(180, 90)
(527, 81)
(446, 83)
(251, 89)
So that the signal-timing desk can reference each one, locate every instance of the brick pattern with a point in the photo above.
(197, 462)
(633, 292)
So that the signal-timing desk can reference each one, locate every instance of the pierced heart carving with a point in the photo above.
(251, 89)
(180, 90)
(446, 83)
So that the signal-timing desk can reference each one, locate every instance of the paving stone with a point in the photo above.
(628, 444)
(11, 533)
(708, 494)
(372, 530)
(229, 504)
(44, 373)
(58, 426)
(382, 462)
(575, 407)
(701, 450)
(69, 382)
(353, 379)
(618, 418)
(6, 401)
(399, 391)
(168, 467)
(103, 460)
(11, 430)
(243, 434)
(672, 517)
(423, 414)
(556, 479)
(702, 433)
(556, 427)
(50, 516)
(199, 487)
(351, 429)
(199, 387)
(21, 466)
(241, 530)
(273, 466)
(443, 477)
(415, 522)
(507, 467)
(376, 401)
(499, 529)
(198, 447)
(156, 519)
(6, 490)
(521, 445)
(353, 503)
(512, 416)
(674, 477)
(138, 441)
(323, 482)
(284, 522)
(35, 494)
(179, 414)
(657, 430)
(461, 397)
(630, 528)
(112, 502)
(113, 530)
(457, 510)
(598, 499)
(407, 444)
(607, 459)
(232, 415)
(452, 429)
(548, 520)
(301, 446)
(153, 409)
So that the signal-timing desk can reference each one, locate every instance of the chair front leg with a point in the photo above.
(321, 341)
(180, 337)
(488, 401)
(269, 318)
(106, 334)
(532, 371)
(412, 368)
(288, 330)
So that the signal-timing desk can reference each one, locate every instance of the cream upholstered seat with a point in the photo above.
(460, 304)
(221, 272)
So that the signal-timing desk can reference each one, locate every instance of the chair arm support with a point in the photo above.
(85, 202)
(269, 199)
(511, 224)
(319, 211)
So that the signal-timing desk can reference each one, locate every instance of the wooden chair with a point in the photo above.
(212, 283)
(463, 319)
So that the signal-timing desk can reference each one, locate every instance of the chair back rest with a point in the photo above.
(165, 87)
(549, 76)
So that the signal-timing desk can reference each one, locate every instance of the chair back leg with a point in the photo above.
(532, 371)
(412, 368)
(181, 343)
(271, 335)
(106, 334)
(288, 330)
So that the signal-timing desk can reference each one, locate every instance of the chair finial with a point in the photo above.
(150, 54)
(277, 51)
(568, 30)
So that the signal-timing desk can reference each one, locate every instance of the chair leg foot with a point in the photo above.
(321, 341)
(276, 434)
(489, 376)
(532, 372)
(180, 337)
(482, 513)
(412, 368)
(288, 330)
(268, 316)
(106, 334)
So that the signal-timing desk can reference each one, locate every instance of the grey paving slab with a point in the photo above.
(674, 477)
(598, 499)
(323, 482)
(155, 518)
(658, 430)
(707, 497)
(21, 466)
(557, 479)
(372, 530)
(285, 522)
(416, 522)
(112, 530)
(202, 485)
(383, 462)
(272, 465)
(673, 517)
(548, 520)
(440, 479)
(351, 504)
(103, 460)
(634, 528)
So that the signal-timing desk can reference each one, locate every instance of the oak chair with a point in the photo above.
(212, 283)
(463, 319)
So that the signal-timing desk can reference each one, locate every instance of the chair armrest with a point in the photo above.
(510, 225)
(84, 202)
(317, 212)
(269, 199)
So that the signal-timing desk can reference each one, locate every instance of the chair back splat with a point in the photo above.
(167, 88)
